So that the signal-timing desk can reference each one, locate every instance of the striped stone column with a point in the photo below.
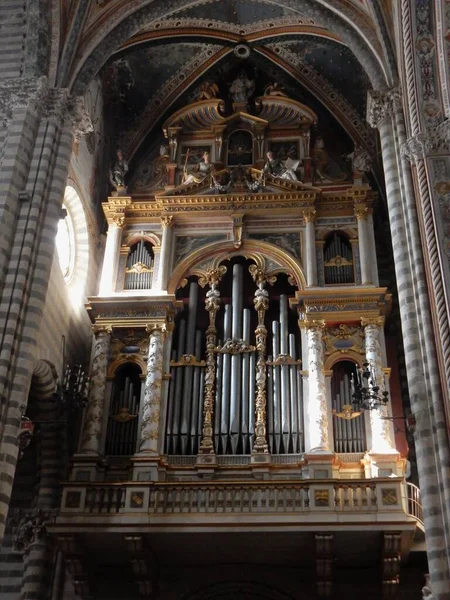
(432, 446)
(36, 159)
(93, 420)
(151, 407)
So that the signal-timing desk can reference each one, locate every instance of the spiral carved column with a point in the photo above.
(151, 407)
(92, 427)
(212, 304)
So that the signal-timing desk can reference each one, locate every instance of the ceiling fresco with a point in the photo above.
(238, 12)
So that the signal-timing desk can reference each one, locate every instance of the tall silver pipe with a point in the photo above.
(285, 400)
(245, 381)
(200, 412)
(186, 408)
(293, 393)
(300, 415)
(276, 387)
(178, 387)
(270, 405)
(195, 396)
(170, 406)
(251, 395)
(225, 408)
(218, 406)
(236, 359)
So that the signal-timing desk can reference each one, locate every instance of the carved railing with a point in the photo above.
(363, 496)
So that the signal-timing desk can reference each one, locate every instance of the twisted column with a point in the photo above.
(111, 257)
(309, 217)
(151, 407)
(261, 303)
(382, 430)
(92, 426)
(212, 305)
(167, 223)
(361, 214)
(316, 414)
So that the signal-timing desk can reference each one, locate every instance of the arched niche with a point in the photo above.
(122, 360)
(268, 256)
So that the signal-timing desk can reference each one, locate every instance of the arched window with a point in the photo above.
(123, 417)
(65, 245)
(139, 268)
(338, 259)
(349, 434)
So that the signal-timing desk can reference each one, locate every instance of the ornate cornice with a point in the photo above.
(381, 105)
(434, 142)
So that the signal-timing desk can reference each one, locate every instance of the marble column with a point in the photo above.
(316, 411)
(93, 421)
(151, 407)
(165, 256)
(310, 247)
(111, 257)
(361, 213)
(381, 428)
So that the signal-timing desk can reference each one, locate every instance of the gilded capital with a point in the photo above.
(118, 220)
(361, 211)
(312, 325)
(98, 329)
(378, 321)
(156, 328)
(167, 221)
(309, 216)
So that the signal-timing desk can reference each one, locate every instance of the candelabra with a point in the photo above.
(365, 391)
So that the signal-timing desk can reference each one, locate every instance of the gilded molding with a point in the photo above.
(309, 216)
(378, 321)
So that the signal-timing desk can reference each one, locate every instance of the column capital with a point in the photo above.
(167, 221)
(361, 211)
(309, 215)
(118, 220)
(99, 329)
(310, 325)
(382, 104)
(433, 141)
(212, 276)
(378, 321)
(157, 328)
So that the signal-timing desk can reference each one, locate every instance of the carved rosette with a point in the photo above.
(212, 304)
(261, 303)
(382, 439)
(151, 408)
(318, 409)
(92, 427)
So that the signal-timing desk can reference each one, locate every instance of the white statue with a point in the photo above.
(242, 88)
(283, 169)
(200, 172)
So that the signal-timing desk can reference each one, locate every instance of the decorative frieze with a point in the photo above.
(434, 142)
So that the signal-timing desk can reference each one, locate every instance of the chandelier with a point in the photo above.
(366, 393)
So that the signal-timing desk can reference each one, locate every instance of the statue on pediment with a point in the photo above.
(242, 88)
(200, 172)
(282, 169)
(208, 91)
(118, 171)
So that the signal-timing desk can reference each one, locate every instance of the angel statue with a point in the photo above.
(208, 91)
(119, 170)
(282, 169)
(200, 171)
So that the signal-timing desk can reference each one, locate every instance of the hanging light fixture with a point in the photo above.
(366, 393)
(72, 392)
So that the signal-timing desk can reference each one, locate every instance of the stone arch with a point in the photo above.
(136, 236)
(237, 589)
(339, 356)
(126, 359)
(219, 251)
(359, 38)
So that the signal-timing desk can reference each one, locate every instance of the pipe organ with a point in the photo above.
(349, 434)
(122, 427)
(338, 260)
(139, 269)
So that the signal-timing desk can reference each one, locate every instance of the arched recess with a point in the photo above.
(338, 356)
(239, 589)
(346, 21)
(123, 360)
(214, 254)
(78, 278)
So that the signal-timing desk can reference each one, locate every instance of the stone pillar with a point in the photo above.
(361, 213)
(93, 420)
(151, 414)
(316, 412)
(111, 257)
(310, 247)
(165, 256)
(382, 429)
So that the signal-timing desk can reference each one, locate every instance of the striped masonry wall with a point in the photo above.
(26, 286)
(412, 293)
(12, 29)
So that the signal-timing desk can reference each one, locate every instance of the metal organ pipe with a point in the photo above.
(225, 408)
(195, 397)
(276, 387)
(286, 396)
(188, 371)
(295, 400)
(178, 387)
(236, 359)
(245, 384)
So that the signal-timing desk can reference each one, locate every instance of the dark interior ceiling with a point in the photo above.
(146, 82)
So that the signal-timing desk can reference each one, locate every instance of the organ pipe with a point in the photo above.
(236, 359)
(123, 418)
(139, 268)
(349, 434)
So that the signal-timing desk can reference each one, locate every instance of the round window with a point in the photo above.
(65, 245)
